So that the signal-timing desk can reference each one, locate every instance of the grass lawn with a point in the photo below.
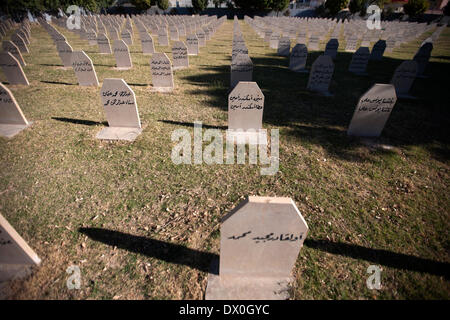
(141, 227)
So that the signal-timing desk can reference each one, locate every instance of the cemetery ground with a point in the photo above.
(141, 227)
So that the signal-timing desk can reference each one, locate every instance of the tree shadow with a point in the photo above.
(191, 124)
(81, 121)
(288, 102)
(50, 65)
(382, 257)
(169, 252)
(59, 82)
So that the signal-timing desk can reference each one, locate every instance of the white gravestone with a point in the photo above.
(321, 75)
(122, 55)
(297, 61)
(372, 111)
(284, 46)
(12, 69)
(360, 58)
(192, 45)
(84, 69)
(260, 241)
(147, 44)
(161, 70)
(121, 111)
(9, 46)
(404, 77)
(201, 38)
(12, 120)
(245, 113)
(179, 55)
(126, 37)
(104, 47)
(65, 53)
(241, 69)
(20, 43)
(163, 37)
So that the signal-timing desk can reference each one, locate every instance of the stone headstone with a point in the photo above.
(121, 111)
(126, 37)
(321, 75)
(313, 43)
(84, 69)
(201, 38)
(16, 256)
(161, 70)
(245, 113)
(20, 43)
(273, 41)
(163, 37)
(404, 77)
(241, 69)
(351, 44)
(9, 46)
(12, 69)
(65, 53)
(372, 111)
(378, 50)
(192, 45)
(359, 61)
(173, 32)
(331, 48)
(260, 241)
(297, 61)
(104, 46)
(12, 120)
(122, 55)
(179, 55)
(92, 37)
(284, 46)
(147, 44)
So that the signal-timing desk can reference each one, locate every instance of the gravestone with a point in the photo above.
(163, 37)
(126, 37)
(297, 61)
(65, 53)
(359, 61)
(372, 111)
(104, 46)
(9, 46)
(121, 111)
(273, 41)
(16, 256)
(92, 37)
(12, 69)
(284, 46)
(192, 45)
(122, 55)
(421, 57)
(12, 120)
(321, 75)
(161, 70)
(260, 241)
(241, 69)
(201, 38)
(331, 48)
(238, 48)
(351, 44)
(378, 50)
(313, 43)
(179, 55)
(147, 44)
(403, 78)
(20, 43)
(84, 69)
(173, 32)
(245, 113)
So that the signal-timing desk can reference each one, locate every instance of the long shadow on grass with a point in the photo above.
(80, 121)
(382, 257)
(288, 103)
(169, 252)
(191, 124)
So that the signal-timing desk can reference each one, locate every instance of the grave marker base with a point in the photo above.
(245, 288)
(247, 137)
(119, 133)
(10, 130)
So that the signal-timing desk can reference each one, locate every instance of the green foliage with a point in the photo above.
(355, 6)
(142, 4)
(163, 4)
(334, 6)
(278, 5)
(199, 5)
(415, 7)
(253, 4)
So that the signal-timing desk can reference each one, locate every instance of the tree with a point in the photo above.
(142, 4)
(355, 6)
(163, 4)
(257, 5)
(415, 7)
(199, 5)
(278, 5)
(218, 3)
(334, 6)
